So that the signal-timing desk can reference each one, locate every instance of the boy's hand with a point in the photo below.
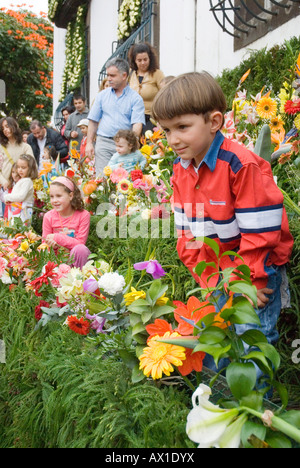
(262, 299)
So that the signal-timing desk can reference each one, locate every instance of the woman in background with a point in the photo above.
(146, 77)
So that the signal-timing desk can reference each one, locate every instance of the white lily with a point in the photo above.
(207, 423)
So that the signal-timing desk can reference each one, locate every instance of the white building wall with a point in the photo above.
(58, 63)
(177, 36)
(192, 40)
(103, 27)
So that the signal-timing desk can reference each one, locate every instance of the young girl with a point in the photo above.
(21, 199)
(13, 179)
(127, 154)
(68, 224)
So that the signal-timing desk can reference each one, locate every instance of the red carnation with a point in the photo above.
(136, 174)
(292, 107)
(38, 310)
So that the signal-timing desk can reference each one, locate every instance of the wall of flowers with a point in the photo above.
(129, 17)
(75, 53)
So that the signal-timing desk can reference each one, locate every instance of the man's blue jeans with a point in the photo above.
(268, 317)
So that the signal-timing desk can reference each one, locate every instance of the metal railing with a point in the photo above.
(142, 34)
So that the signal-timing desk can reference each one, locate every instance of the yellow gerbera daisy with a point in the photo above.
(276, 123)
(134, 295)
(266, 108)
(159, 358)
(124, 186)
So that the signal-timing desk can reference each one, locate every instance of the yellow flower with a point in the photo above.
(161, 301)
(266, 108)
(134, 295)
(283, 96)
(146, 149)
(276, 124)
(159, 358)
(24, 246)
(297, 122)
(107, 171)
(74, 144)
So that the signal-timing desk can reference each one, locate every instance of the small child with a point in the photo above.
(68, 224)
(83, 125)
(21, 199)
(49, 157)
(13, 179)
(225, 192)
(127, 155)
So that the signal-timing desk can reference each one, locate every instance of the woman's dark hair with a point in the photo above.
(69, 109)
(141, 49)
(14, 126)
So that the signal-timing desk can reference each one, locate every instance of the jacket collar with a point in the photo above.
(211, 156)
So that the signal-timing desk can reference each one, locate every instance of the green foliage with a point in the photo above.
(80, 401)
(269, 68)
(26, 51)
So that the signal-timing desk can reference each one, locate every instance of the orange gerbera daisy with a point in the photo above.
(80, 326)
(266, 107)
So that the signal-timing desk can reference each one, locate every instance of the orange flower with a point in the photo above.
(193, 362)
(195, 311)
(47, 167)
(159, 327)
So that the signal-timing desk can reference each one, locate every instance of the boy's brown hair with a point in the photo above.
(191, 93)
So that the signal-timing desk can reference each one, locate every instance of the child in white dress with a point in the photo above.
(21, 200)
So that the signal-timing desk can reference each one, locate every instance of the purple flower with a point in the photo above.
(98, 322)
(152, 267)
(90, 285)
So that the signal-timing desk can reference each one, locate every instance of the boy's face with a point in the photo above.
(189, 136)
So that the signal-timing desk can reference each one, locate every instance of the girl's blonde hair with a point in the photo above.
(77, 202)
(10, 179)
(191, 93)
(32, 166)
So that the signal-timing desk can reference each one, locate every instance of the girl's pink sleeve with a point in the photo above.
(47, 225)
(81, 236)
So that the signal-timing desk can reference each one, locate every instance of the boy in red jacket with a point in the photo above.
(223, 191)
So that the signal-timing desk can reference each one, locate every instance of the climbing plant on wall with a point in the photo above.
(129, 17)
(75, 53)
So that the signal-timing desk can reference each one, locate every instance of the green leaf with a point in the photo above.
(137, 374)
(156, 291)
(241, 378)
(245, 313)
(278, 441)
(260, 360)
(270, 352)
(216, 351)
(199, 269)
(146, 316)
(231, 253)
(159, 311)
(186, 341)
(212, 335)
(128, 358)
(211, 243)
(246, 289)
(138, 328)
(251, 337)
(251, 428)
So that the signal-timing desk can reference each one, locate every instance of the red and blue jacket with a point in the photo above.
(232, 198)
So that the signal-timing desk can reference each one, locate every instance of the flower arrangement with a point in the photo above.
(75, 53)
(129, 17)
(53, 8)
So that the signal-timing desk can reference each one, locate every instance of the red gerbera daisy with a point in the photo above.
(80, 326)
(292, 107)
